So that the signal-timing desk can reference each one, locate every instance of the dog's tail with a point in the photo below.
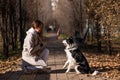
(94, 72)
(88, 71)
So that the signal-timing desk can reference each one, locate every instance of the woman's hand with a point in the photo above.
(41, 45)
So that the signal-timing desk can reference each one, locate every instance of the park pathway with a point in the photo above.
(55, 62)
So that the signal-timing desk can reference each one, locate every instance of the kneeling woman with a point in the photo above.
(34, 54)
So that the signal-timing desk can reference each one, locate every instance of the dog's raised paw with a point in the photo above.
(63, 67)
(66, 72)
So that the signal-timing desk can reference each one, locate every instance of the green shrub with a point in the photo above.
(63, 36)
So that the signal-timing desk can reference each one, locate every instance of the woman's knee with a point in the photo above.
(46, 51)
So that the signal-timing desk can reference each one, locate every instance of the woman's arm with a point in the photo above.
(30, 45)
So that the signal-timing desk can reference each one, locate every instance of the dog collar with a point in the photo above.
(73, 48)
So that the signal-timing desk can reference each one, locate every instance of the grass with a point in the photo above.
(117, 40)
(1, 57)
(63, 36)
(11, 53)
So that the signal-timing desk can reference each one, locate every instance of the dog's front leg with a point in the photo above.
(69, 67)
(66, 63)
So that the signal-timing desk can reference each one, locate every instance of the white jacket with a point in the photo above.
(32, 48)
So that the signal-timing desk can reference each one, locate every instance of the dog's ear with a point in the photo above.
(71, 37)
(70, 40)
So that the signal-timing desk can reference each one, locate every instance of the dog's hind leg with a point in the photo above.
(66, 63)
(76, 69)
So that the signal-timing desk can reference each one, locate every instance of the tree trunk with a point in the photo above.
(15, 36)
(5, 38)
(109, 47)
(98, 35)
(5, 48)
(21, 27)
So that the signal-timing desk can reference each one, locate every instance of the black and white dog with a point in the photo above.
(75, 58)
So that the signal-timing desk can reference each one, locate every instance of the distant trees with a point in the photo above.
(64, 17)
(78, 13)
(105, 15)
(9, 25)
(70, 15)
(45, 12)
(15, 17)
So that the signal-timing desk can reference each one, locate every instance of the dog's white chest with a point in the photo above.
(71, 60)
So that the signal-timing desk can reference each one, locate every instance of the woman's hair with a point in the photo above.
(38, 23)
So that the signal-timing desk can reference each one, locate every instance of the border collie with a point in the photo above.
(75, 58)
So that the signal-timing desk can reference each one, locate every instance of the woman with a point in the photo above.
(34, 54)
